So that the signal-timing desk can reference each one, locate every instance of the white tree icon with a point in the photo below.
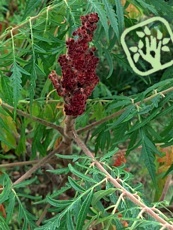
(153, 47)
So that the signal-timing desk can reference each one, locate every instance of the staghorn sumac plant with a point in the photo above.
(77, 157)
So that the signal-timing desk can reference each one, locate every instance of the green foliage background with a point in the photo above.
(137, 112)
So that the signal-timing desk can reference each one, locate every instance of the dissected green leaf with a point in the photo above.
(112, 17)
(84, 210)
(169, 170)
(103, 140)
(7, 94)
(134, 141)
(125, 116)
(16, 81)
(58, 203)
(120, 15)
(110, 62)
(59, 171)
(145, 121)
(31, 7)
(75, 185)
(98, 7)
(69, 221)
(10, 207)
(119, 104)
(21, 148)
(3, 224)
(25, 183)
(148, 155)
(80, 175)
(109, 154)
(101, 194)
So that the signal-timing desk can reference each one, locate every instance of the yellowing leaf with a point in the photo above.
(166, 161)
(133, 11)
(8, 130)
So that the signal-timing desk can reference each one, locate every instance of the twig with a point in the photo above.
(62, 146)
(166, 187)
(116, 114)
(43, 214)
(9, 165)
(133, 197)
(93, 124)
(69, 126)
(34, 118)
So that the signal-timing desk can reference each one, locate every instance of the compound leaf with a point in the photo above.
(16, 84)
(84, 210)
(148, 155)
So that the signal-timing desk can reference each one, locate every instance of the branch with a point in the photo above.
(62, 146)
(166, 188)
(69, 127)
(34, 118)
(45, 210)
(18, 164)
(125, 193)
(10, 165)
(116, 114)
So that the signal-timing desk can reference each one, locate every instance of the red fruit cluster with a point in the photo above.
(78, 68)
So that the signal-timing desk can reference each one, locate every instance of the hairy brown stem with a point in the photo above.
(69, 127)
(133, 197)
